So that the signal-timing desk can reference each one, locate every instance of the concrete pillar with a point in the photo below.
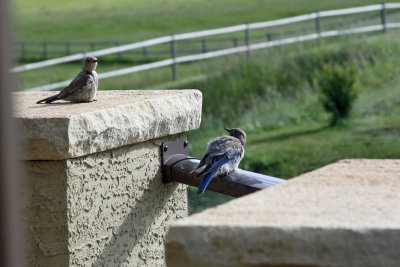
(93, 193)
(344, 214)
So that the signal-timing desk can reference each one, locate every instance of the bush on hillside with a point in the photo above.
(337, 86)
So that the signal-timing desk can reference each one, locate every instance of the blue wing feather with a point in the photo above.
(206, 180)
(214, 166)
(227, 157)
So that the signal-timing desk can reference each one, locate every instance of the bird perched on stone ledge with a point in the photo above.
(81, 89)
(223, 156)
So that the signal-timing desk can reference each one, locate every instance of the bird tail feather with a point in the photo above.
(206, 180)
(48, 99)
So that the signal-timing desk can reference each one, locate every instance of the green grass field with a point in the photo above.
(136, 20)
(130, 21)
(288, 130)
(272, 97)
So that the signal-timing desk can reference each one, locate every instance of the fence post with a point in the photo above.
(67, 48)
(44, 49)
(203, 46)
(383, 17)
(247, 40)
(269, 37)
(22, 50)
(145, 52)
(119, 53)
(84, 56)
(318, 26)
(173, 56)
(235, 42)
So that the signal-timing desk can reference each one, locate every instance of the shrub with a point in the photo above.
(337, 87)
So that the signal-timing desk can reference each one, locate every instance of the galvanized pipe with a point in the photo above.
(179, 168)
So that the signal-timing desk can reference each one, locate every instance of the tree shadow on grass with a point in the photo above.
(381, 131)
(286, 136)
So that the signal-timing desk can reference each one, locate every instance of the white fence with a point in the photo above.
(383, 26)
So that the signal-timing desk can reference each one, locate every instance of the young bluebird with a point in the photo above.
(223, 156)
(81, 89)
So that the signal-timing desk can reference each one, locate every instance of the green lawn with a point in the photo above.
(134, 20)
(289, 133)
(129, 21)
(294, 150)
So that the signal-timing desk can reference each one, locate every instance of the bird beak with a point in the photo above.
(228, 130)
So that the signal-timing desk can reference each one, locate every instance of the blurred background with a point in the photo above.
(280, 95)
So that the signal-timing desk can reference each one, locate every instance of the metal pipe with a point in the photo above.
(179, 168)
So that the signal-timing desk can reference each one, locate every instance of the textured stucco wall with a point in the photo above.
(45, 213)
(104, 209)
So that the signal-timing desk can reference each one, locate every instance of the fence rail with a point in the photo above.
(204, 54)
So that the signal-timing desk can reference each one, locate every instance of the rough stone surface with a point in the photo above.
(344, 214)
(104, 209)
(68, 130)
(45, 213)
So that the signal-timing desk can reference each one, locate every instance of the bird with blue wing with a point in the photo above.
(223, 156)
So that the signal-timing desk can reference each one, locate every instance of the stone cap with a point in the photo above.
(344, 214)
(64, 130)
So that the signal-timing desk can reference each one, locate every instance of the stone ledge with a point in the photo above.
(68, 130)
(344, 214)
